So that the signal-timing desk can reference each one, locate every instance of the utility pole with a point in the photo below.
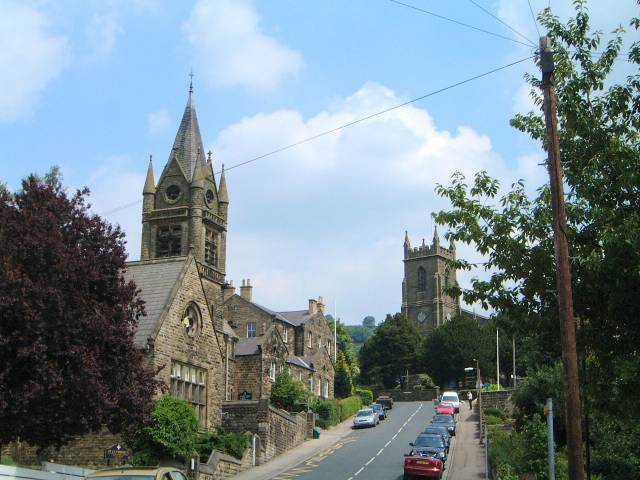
(513, 350)
(497, 359)
(563, 272)
(551, 451)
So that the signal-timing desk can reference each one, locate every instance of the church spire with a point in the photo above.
(436, 237)
(223, 195)
(188, 143)
(149, 183)
(407, 242)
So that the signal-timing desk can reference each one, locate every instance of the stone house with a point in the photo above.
(305, 334)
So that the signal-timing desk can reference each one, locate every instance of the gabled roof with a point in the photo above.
(271, 312)
(296, 318)
(155, 280)
(188, 143)
(299, 361)
(249, 346)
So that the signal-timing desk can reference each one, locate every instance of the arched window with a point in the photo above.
(192, 320)
(422, 279)
(446, 278)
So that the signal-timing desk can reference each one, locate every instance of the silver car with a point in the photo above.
(366, 418)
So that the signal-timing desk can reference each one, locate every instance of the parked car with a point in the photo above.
(445, 408)
(432, 445)
(446, 421)
(138, 473)
(386, 401)
(366, 418)
(379, 409)
(439, 430)
(417, 465)
(453, 398)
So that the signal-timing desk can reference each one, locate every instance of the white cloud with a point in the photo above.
(102, 32)
(158, 121)
(30, 58)
(231, 49)
(522, 101)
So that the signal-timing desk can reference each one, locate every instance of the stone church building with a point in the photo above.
(427, 274)
(209, 345)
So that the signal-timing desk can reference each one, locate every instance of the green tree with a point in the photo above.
(369, 322)
(343, 382)
(288, 393)
(600, 152)
(387, 355)
(345, 344)
(171, 433)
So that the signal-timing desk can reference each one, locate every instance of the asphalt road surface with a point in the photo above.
(369, 453)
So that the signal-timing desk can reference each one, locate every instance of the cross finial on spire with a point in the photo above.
(150, 158)
(191, 81)
(209, 153)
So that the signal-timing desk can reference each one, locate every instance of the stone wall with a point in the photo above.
(248, 380)
(278, 431)
(220, 465)
(426, 395)
(500, 399)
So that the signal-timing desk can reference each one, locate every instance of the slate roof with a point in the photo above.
(299, 361)
(249, 346)
(188, 143)
(273, 314)
(155, 280)
(296, 318)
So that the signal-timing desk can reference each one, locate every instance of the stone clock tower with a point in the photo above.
(426, 274)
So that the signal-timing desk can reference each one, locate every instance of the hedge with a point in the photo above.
(331, 412)
(365, 394)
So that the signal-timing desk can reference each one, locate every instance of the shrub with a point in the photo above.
(425, 381)
(226, 442)
(496, 412)
(507, 472)
(288, 393)
(365, 394)
(343, 383)
(493, 420)
(349, 406)
(8, 461)
(170, 434)
(328, 413)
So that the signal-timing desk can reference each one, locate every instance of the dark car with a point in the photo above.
(439, 430)
(379, 409)
(385, 401)
(446, 421)
(430, 445)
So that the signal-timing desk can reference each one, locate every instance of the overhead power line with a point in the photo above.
(433, 14)
(533, 15)
(354, 122)
(503, 23)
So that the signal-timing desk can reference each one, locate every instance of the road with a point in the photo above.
(372, 453)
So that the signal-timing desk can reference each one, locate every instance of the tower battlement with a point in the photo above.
(429, 250)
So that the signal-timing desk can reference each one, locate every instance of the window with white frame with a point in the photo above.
(309, 339)
(311, 382)
(285, 335)
(189, 382)
(251, 329)
(318, 386)
(325, 388)
(300, 376)
(272, 371)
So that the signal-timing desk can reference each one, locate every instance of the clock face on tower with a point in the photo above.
(422, 316)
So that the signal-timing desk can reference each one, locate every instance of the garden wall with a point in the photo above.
(425, 395)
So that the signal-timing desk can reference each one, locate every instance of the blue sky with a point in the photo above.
(96, 87)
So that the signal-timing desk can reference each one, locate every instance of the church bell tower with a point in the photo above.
(186, 211)
(426, 275)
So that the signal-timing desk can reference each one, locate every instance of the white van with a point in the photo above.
(451, 397)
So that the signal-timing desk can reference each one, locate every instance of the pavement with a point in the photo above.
(468, 460)
(375, 453)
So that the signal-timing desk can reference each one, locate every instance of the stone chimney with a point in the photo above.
(228, 291)
(313, 306)
(246, 289)
(321, 305)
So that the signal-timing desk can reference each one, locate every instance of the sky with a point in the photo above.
(96, 87)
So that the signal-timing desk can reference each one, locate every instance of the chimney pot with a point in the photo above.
(246, 290)
(313, 306)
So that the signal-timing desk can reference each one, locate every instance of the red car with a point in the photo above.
(446, 408)
(419, 466)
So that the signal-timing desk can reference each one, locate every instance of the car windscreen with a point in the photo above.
(125, 477)
(428, 441)
(364, 413)
(436, 430)
(377, 407)
(442, 419)
(449, 398)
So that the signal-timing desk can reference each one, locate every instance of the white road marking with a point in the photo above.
(379, 451)
(394, 437)
(358, 472)
(370, 460)
(387, 444)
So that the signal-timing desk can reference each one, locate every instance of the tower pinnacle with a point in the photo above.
(407, 242)
(223, 195)
(149, 183)
(436, 237)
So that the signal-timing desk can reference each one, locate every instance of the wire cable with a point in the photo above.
(535, 22)
(413, 7)
(503, 22)
(354, 122)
